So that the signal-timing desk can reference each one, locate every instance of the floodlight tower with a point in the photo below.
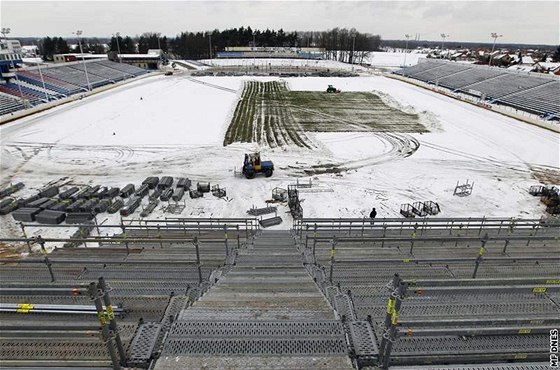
(254, 47)
(406, 49)
(443, 37)
(210, 45)
(495, 37)
(353, 34)
(6, 31)
(79, 33)
(38, 64)
(117, 35)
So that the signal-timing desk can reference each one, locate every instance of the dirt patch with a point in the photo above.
(9, 251)
(546, 176)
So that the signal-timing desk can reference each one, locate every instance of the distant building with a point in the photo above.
(527, 60)
(271, 52)
(501, 59)
(29, 51)
(73, 57)
(546, 67)
(10, 56)
(10, 50)
(151, 60)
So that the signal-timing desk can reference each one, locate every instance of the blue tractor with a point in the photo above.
(253, 165)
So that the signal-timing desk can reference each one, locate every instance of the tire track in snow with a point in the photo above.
(400, 146)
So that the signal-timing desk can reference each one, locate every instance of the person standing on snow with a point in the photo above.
(373, 214)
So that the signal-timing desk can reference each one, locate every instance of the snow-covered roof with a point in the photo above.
(521, 67)
(85, 55)
(525, 59)
(32, 61)
(143, 56)
(550, 65)
(500, 56)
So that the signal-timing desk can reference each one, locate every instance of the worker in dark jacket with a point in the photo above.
(373, 213)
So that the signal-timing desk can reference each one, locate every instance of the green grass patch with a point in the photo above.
(289, 114)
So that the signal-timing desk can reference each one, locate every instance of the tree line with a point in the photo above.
(48, 47)
(338, 43)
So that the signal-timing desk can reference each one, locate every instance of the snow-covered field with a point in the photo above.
(263, 63)
(375, 58)
(394, 59)
(172, 125)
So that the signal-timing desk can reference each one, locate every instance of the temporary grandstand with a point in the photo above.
(38, 85)
(533, 93)
(328, 294)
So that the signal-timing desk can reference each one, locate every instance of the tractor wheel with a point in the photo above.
(268, 172)
(250, 174)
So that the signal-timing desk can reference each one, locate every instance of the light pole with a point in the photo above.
(6, 31)
(353, 34)
(406, 49)
(118, 34)
(254, 47)
(79, 33)
(495, 37)
(443, 37)
(210, 45)
(41, 73)
(42, 81)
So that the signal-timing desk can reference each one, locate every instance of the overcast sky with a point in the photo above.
(519, 21)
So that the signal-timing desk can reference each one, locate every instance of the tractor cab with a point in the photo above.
(332, 89)
(253, 165)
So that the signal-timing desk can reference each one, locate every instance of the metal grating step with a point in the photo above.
(285, 314)
(414, 346)
(362, 339)
(252, 329)
(143, 344)
(343, 306)
(39, 349)
(331, 362)
(247, 346)
(256, 338)
(512, 366)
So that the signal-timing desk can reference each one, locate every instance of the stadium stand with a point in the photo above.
(9, 104)
(127, 68)
(506, 84)
(544, 98)
(43, 92)
(25, 94)
(434, 74)
(60, 81)
(446, 300)
(75, 76)
(471, 77)
(61, 87)
(536, 94)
